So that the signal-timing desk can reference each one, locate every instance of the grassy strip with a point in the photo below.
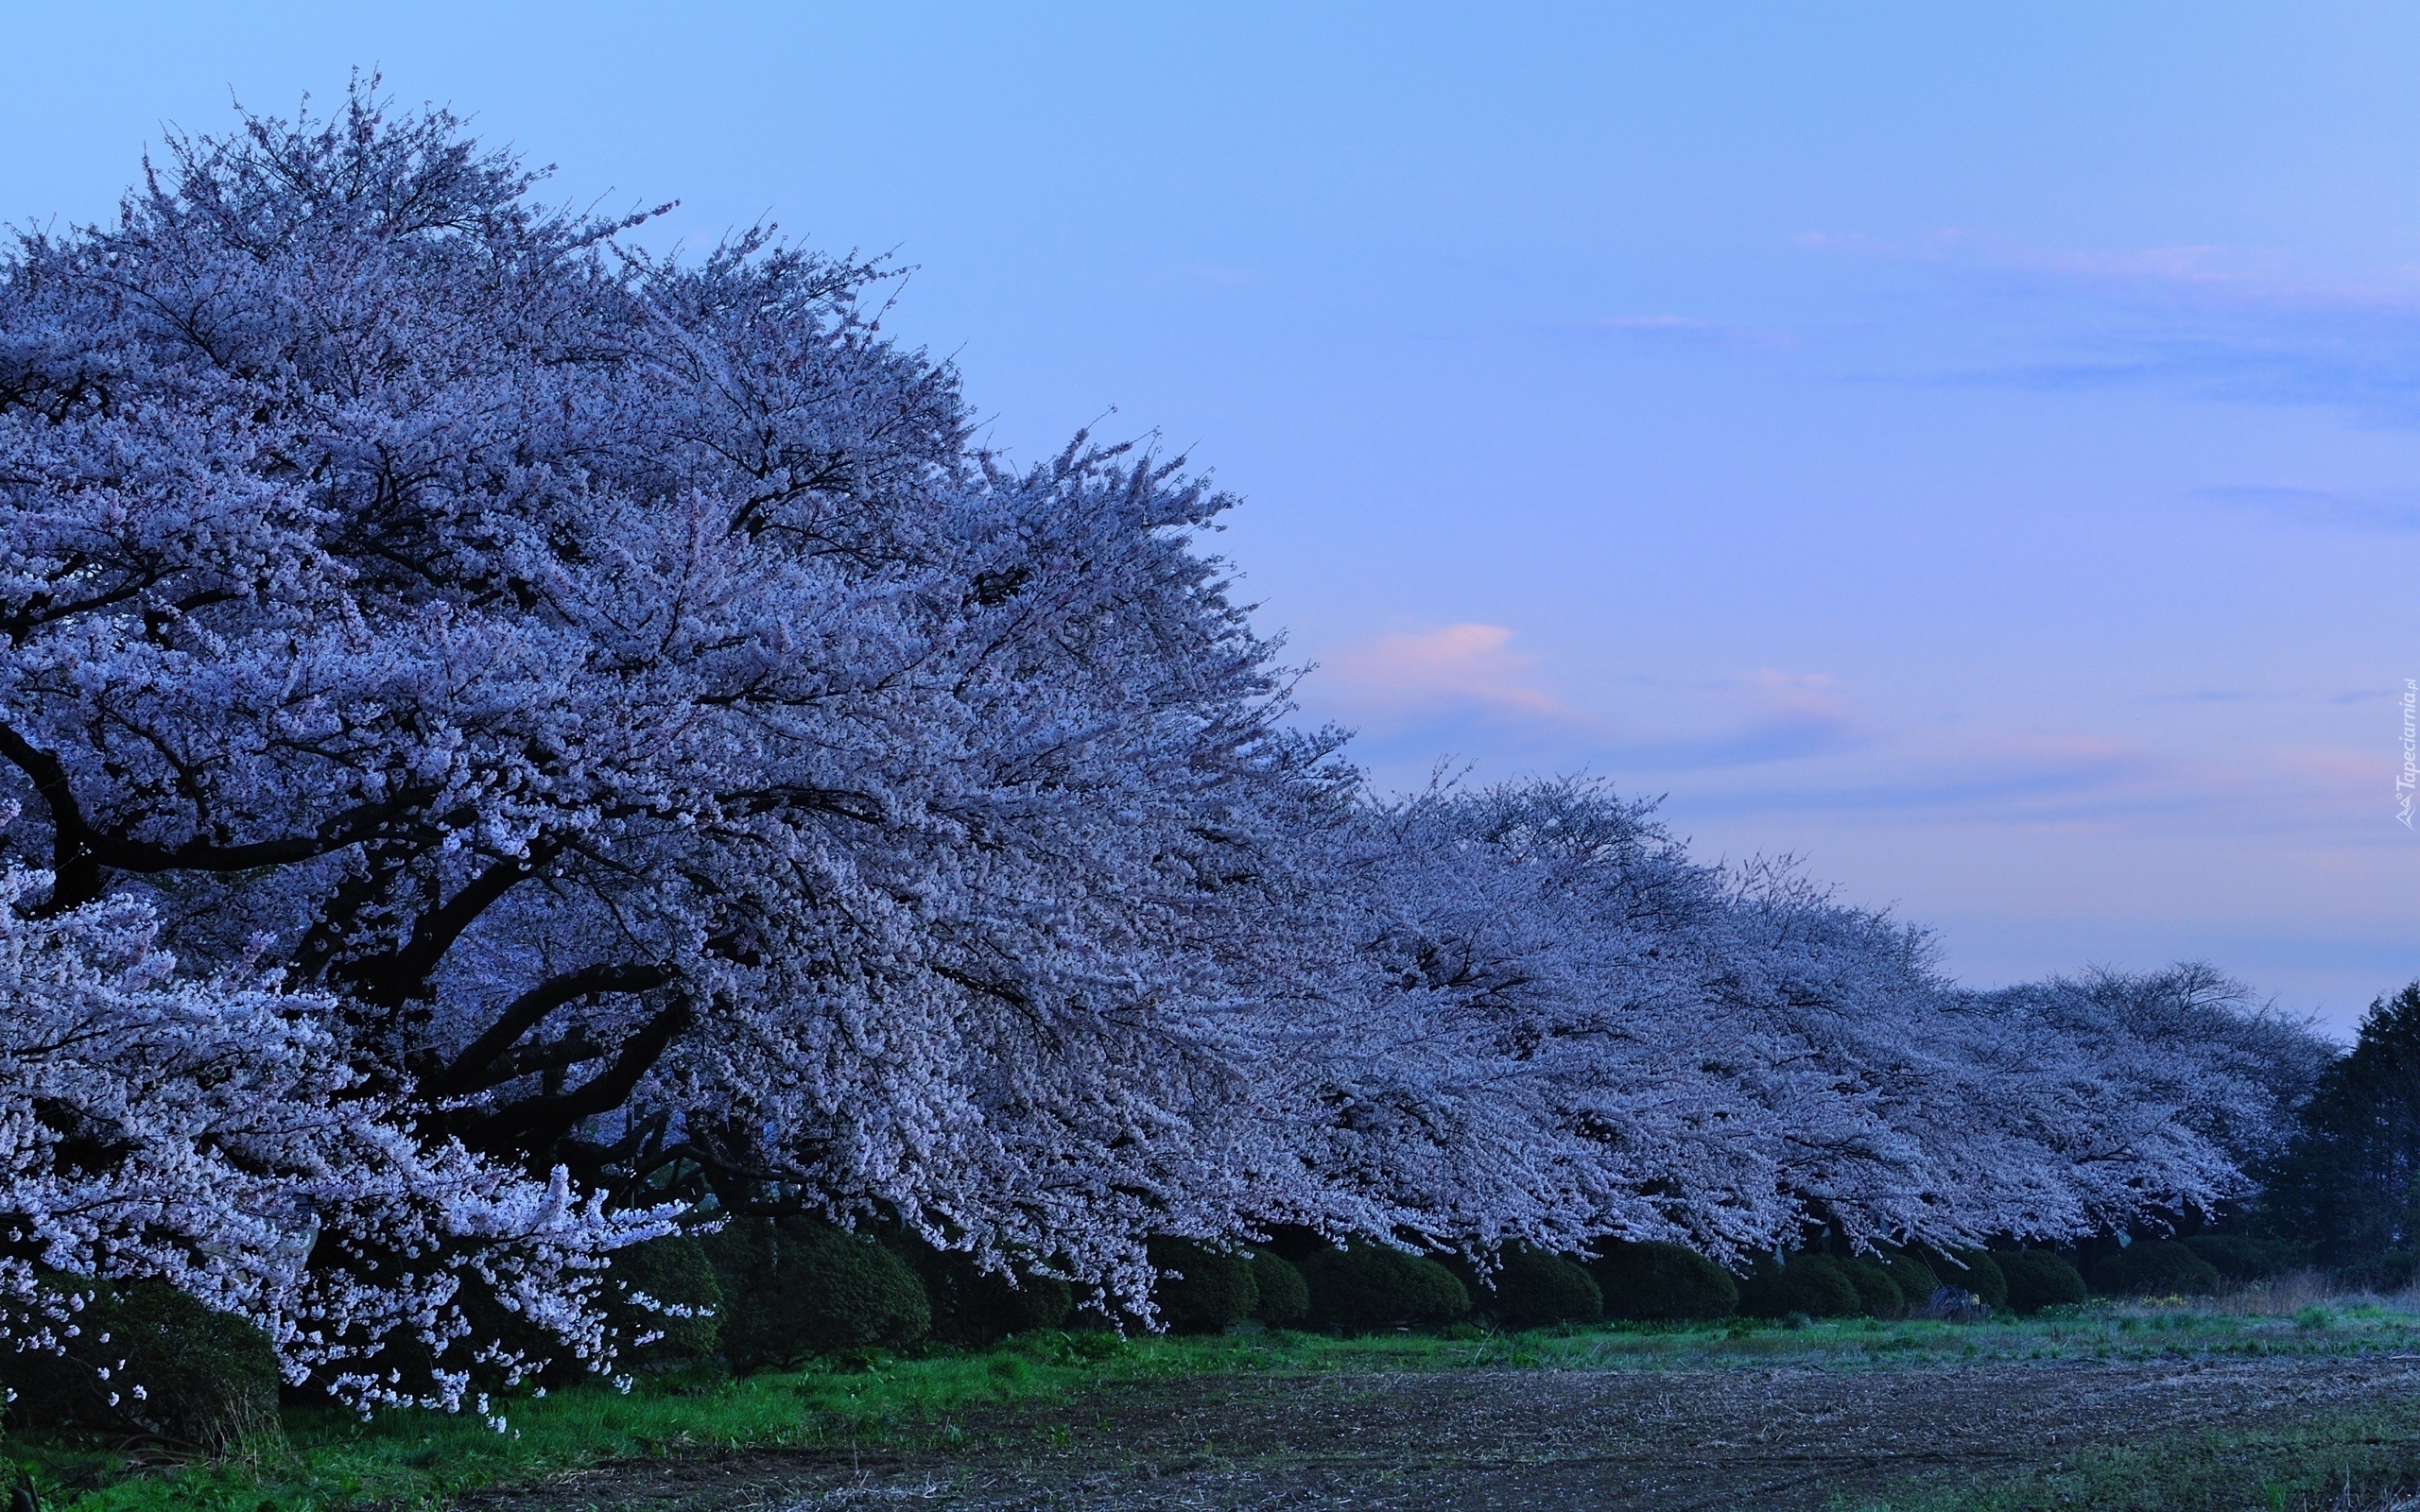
(418, 1460)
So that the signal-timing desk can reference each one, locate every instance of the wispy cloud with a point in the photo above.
(2200, 270)
(1749, 720)
(2214, 321)
(2328, 506)
(2199, 695)
(2077, 781)
(1416, 691)
(1453, 669)
(2003, 777)
(1681, 331)
(1780, 740)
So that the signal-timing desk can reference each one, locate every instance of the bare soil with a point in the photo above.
(1784, 1438)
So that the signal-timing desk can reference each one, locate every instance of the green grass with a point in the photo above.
(417, 1460)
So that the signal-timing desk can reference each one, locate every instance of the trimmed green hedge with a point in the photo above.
(178, 1372)
(1285, 1299)
(2038, 1279)
(1915, 1279)
(1369, 1287)
(1973, 1270)
(1661, 1283)
(1877, 1292)
(1533, 1288)
(1200, 1290)
(1809, 1283)
(796, 1287)
(2240, 1258)
(975, 1307)
(676, 1271)
(2158, 1267)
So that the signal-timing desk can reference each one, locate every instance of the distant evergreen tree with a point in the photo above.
(2345, 1182)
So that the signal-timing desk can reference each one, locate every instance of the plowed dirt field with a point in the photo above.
(1778, 1438)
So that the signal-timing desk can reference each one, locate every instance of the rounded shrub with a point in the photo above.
(1915, 1279)
(2242, 1258)
(1200, 1290)
(1284, 1299)
(795, 1287)
(177, 1372)
(2159, 1267)
(674, 1273)
(975, 1307)
(1809, 1283)
(2038, 1279)
(2392, 1271)
(1369, 1288)
(1976, 1271)
(1664, 1283)
(1877, 1291)
(1535, 1289)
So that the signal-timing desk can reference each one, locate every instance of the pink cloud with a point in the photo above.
(1462, 666)
(1807, 696)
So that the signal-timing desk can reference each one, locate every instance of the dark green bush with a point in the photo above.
(1200, 1290)
(1663, 1283)
(1369, 1288)
(2038, 1279)
(1533, 1289)
(1915, 1279)
(1877, 1292)
(208, 1379)
(2240, 1258)
(975, 1307)
(675, 1271)
(1284, 1299)
(538, 1356)
(1809, 1283)
(795, 1287)
(1973, 1270)
(2159, 1267)
(2390, 1272)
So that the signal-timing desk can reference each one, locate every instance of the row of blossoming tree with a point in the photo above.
(511, 741)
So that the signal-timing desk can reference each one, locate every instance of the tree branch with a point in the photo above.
(391, 979)
(79, 852)
(534, 1123)
(75, 873)
(466, 1073)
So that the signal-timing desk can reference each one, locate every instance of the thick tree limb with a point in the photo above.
(533, 1125)
(80, 852)
(546, 1057)
(389, 980)
(469, 1070)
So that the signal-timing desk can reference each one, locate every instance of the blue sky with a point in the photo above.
(1976, 449)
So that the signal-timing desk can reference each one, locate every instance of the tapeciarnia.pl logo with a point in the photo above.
(2405, 779)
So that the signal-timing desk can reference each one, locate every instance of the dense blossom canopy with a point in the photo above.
(209, 1131)
(1563, 1026)
(644, 736)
